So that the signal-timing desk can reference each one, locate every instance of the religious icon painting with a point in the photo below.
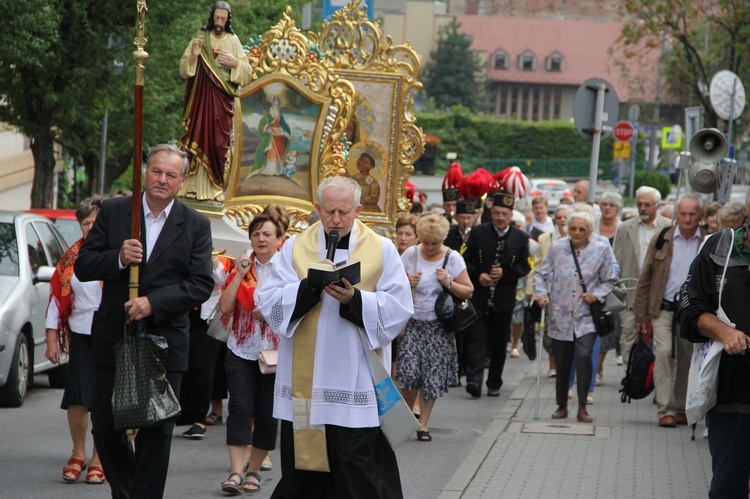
(278, 128)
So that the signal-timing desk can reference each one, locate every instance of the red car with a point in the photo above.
(64, 220)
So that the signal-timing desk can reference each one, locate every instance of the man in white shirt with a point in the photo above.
(331, 441)
(631, 244)
(664, 270)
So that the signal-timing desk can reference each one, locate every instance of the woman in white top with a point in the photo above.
(250, 420)
(68, 329)
(427, 360)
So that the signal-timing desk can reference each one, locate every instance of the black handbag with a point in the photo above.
(142, 396)
(604, 319)
(455, 315)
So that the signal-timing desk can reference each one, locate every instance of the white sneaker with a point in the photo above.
(705, 433)
(589, 399)
(570, 393)
(619, 360)
(552, 373)
(598, 380)
(514, 353)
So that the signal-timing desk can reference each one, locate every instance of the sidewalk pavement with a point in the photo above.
(624, 454)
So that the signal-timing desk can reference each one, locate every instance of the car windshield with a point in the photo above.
(70, 229)
(8, 250)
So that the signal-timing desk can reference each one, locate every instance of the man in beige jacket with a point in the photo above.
(631, 243)
(664, 270)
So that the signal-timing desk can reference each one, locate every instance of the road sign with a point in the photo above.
(623, 131)
(671, 137)
(584, 108)
(634, 113)
(621, 150)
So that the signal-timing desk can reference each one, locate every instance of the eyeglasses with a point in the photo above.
(644, 205)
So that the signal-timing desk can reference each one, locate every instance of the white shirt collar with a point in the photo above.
(147, 209)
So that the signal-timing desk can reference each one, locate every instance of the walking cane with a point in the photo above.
(542, 327)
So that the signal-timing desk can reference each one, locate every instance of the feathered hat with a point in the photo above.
(452, 181)
(477, 184)
(512, 181)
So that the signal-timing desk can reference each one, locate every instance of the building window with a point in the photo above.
(557, 103)
(527, 61)
(501, 60)
(554, 62)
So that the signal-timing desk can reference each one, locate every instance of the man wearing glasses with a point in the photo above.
(631, 244)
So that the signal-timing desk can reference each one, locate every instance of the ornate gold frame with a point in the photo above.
(356, 49)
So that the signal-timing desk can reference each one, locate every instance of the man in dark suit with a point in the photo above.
(497, 255)
(175, 276)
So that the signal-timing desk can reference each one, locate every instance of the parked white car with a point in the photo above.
(30, 247)
(551, 188)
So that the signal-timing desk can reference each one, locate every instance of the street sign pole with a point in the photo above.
(633, 161)
(633, 113)
(597, 137)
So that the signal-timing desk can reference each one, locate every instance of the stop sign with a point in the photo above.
(623, 131)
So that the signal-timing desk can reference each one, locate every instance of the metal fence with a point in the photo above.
(562, 168)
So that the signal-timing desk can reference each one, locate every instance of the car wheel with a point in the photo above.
(14, 391)
(58, 377)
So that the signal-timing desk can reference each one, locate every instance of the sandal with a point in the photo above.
(213, 419)
(424, 436)
(251, 480)
(95, 475)
(76, 473)
(231, 485)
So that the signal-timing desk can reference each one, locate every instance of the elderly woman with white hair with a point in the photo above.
(569, 320)
(611, 204)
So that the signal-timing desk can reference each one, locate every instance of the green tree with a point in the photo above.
(58, 75)
(53, 65)
(696, 39)
(454, 73)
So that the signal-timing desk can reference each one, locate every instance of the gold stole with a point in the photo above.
(310, 452)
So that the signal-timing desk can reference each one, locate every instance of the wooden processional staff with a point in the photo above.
(140, 56)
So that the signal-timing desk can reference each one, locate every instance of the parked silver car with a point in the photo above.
(30, 247)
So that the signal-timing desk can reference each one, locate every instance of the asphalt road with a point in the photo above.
(36, 445)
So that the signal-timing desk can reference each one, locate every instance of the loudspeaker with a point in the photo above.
(703, 177)
(707, 148)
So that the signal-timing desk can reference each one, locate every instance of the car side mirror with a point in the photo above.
(44, 274)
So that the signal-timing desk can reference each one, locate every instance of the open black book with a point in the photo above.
(319, 275)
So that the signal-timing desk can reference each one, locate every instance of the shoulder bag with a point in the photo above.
(604, 320)
(216, 328)
(455, 315)
(397, 422)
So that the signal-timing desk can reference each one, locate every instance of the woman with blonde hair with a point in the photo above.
(427, 360)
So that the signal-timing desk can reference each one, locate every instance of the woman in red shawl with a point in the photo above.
(250, 391)
(71, 309)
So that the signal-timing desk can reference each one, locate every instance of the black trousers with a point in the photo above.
(362, 463)
(564, 351)
(198, 382)
(488, 336)
(250, 396)
(138, 475)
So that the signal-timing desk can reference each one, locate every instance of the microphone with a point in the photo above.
(333, 241)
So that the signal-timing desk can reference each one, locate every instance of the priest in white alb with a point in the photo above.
(331, 442)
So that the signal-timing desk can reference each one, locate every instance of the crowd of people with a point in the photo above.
(325, 410)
